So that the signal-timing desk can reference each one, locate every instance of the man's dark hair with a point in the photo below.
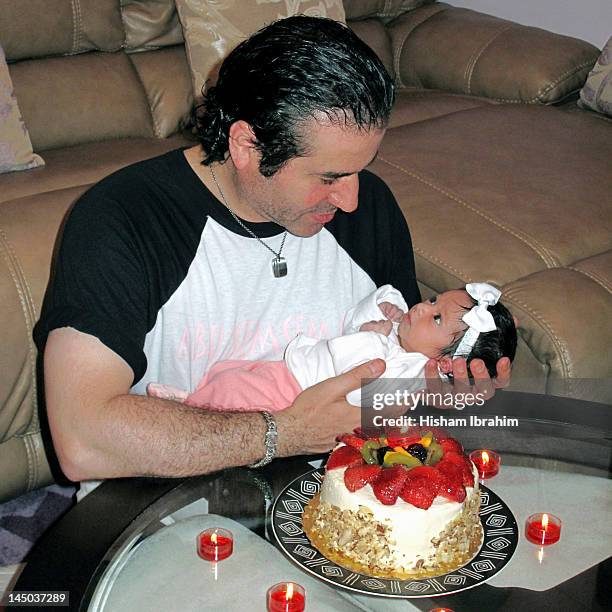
(286, 73)
(492, 346)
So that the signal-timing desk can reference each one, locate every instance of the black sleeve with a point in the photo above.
(98, 283)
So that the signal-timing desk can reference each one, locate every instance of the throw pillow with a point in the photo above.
(15, 145)
(597, 91)
(212, 29)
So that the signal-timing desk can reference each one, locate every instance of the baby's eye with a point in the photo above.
(437, 319)
(432, 299)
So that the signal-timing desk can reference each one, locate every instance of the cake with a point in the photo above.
(397, 506)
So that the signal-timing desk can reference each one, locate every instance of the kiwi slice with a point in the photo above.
(368, 451)
(434, 453)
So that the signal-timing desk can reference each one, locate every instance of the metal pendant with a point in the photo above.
(279, 267)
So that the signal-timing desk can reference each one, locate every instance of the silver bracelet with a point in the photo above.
(270, 440)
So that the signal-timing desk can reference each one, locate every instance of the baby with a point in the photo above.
(469, 323)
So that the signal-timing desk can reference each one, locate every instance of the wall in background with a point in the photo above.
(587, 19)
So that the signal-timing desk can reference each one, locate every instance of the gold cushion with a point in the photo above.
(597, 91)
(212, 29)
(15, 145)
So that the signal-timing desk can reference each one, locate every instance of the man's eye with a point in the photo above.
(437, 319)
(328, 181)
(432, 299)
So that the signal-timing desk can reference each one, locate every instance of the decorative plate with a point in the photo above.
(498, 546)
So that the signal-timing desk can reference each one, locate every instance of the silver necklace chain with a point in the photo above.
(279, 265)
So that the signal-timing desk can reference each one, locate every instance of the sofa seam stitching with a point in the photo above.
(598, 280)
(79, 25)
(24, 293)
(561, 346)
(471, 66)
(74, 27)
(546, 88)
(547, 258)
(462, 275)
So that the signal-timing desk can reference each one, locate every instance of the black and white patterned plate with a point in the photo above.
(499, 543)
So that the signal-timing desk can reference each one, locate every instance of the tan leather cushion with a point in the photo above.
(462, 51)
(212, 29)
(150, 24)
(374, 34)
(413, 105)
(84, 98)
(165, 76)
(518, 196)
(83, 165)
(596, 93)
(15, 145)
(36, 28)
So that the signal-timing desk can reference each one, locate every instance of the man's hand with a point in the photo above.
(391, 311)
(321, 412)
(483, 385)
(381, 327)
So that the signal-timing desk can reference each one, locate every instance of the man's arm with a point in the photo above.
(100, 431)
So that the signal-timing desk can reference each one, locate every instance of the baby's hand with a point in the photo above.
(391, 311)
(381, 327)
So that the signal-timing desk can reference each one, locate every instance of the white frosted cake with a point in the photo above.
(398, 508)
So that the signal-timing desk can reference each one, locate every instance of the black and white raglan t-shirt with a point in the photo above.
(153, 265)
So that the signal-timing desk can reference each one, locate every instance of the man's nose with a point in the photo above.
(345, 192)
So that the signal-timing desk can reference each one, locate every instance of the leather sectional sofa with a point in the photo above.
(501, 177)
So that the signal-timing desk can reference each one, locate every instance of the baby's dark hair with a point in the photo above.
(491, 346)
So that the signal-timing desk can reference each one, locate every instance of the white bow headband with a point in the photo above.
(479, 319)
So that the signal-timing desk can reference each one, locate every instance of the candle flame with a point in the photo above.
(485, 457)
(289, 592)
(544, 521)
(213, 538)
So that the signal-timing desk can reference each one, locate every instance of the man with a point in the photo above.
(225, 251)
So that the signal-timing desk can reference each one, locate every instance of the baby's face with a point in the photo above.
(432, 325)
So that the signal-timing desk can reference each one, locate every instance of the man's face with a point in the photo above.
(433, 325)
(306, 192)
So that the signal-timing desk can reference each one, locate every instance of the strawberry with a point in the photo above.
(351, 440)
(344, 455)
(452, 487)
(389, 483)
(451, 445)
(422, 486)
(358, 476)
(427, 472)
(464, 464)
(419, 492)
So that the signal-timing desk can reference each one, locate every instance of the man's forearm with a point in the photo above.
(143, 436)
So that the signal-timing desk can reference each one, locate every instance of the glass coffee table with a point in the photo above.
(131, 544)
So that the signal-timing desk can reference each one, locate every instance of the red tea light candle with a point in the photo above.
(215, 544)
(286, 597)
(487, 463)
(543, 529)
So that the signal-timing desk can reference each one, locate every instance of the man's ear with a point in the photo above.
(445, 364)
(242, 145)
